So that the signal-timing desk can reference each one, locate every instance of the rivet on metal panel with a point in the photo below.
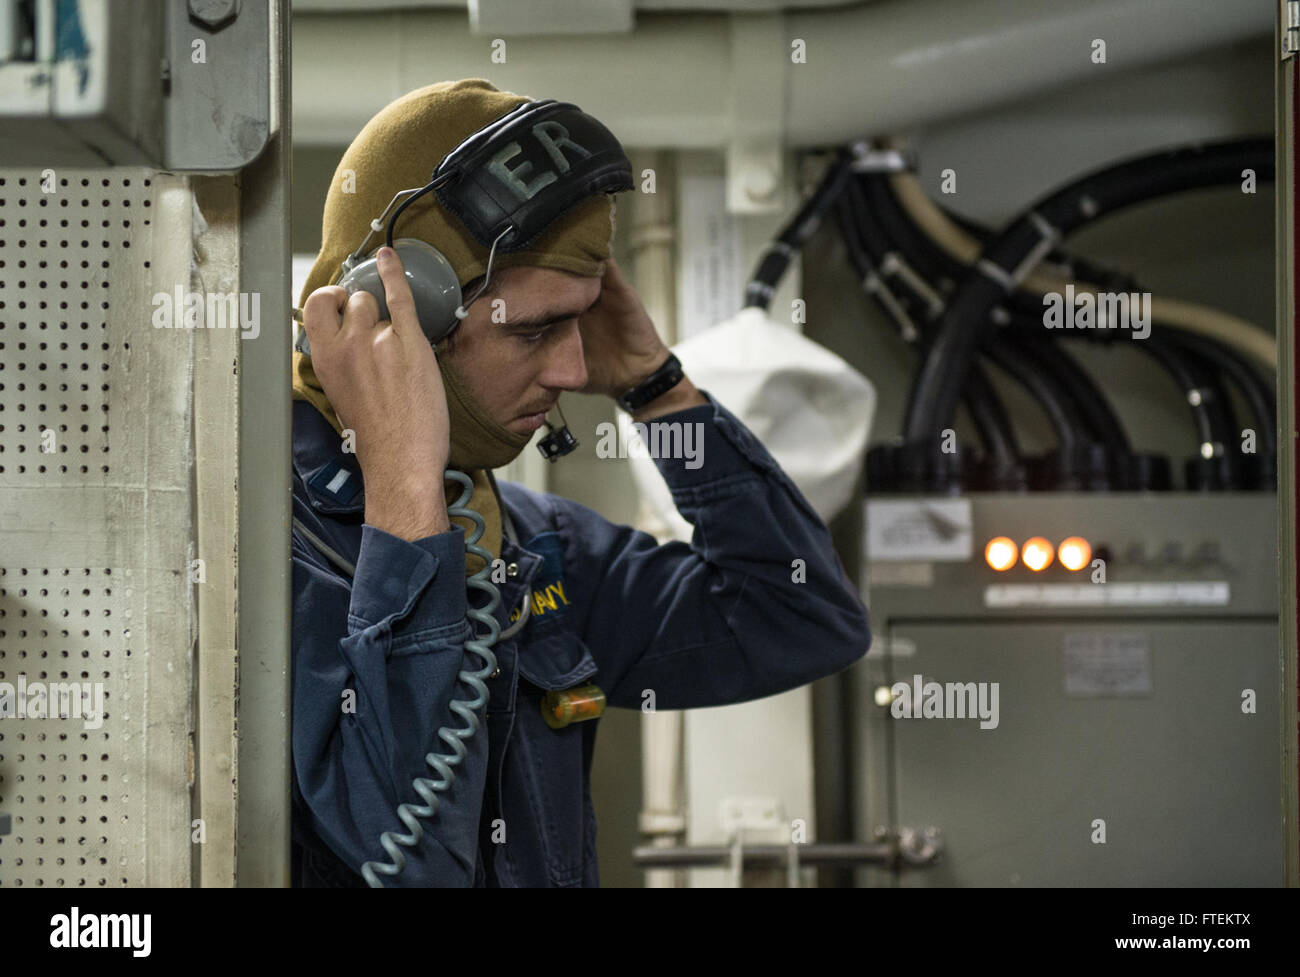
(213, 14)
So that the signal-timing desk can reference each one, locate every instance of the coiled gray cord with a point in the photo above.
(468, 710)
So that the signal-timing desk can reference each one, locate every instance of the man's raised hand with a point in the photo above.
(382, 378)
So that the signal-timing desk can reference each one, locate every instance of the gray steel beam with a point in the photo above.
(264, 498)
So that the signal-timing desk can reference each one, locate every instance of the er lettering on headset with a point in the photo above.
(455, 640)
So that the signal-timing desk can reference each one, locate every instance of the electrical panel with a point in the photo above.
(1116, 724)
(176, 84)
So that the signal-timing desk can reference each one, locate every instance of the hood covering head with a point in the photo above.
(397, 150)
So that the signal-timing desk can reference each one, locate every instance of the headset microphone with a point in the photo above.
(559, 442)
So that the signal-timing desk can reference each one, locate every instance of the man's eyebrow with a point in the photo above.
(540, 320)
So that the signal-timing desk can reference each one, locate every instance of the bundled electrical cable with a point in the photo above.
(1254, 465)
(1012, 254)
(955, 289)
(927, 467)
(1093, 451)
(1212, 412)
(776, 259)
(1225, 345)
(1129, 470)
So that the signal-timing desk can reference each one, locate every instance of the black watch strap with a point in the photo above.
(653, 386)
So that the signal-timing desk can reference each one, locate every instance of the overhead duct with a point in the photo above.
(919, 63)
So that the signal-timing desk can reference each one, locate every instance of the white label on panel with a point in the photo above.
(897, 647)
(1206, 593)
(1099, 663)
(712, 283)
(882, 574)
(919, 530)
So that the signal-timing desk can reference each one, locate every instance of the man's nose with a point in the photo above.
(566, 369)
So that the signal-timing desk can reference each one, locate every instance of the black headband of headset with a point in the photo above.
(527, 168)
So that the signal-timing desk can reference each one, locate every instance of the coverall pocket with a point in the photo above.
(550, 764)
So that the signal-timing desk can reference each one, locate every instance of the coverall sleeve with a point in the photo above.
(376, 664)
(756, 604)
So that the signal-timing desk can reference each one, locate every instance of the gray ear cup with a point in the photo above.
(433, 282)
(434, 285)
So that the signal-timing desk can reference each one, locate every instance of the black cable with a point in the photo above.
(797, 232)
(1254, 390)
(1092, 450)
(1077, 269)
(987, 413)
(1209, 411)
(939, 377)
(1212, 390)
(865, 241)
(932, 262)
(1220, 470)
(992, 423)
(1193, 373)
(1098, 417)
(1060, 411)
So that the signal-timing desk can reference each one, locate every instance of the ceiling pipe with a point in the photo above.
(869, 69)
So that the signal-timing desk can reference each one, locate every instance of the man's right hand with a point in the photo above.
(383, 381)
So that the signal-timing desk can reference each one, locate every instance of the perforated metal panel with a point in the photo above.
(95, 515)
(57, 258)
(60, 781)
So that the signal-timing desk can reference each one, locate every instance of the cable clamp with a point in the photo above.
(1049, 235)
(1037, 254)
(869, 160)
(895, 263)
(1043, 226)
(997, 273)
(875, 285)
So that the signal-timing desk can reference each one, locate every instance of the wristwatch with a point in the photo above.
(653, 386)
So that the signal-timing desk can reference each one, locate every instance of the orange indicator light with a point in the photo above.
(1001, 553)
(1037, 553)
(1074, 553)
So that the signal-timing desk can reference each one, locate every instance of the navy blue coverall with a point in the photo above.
(714, 622)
